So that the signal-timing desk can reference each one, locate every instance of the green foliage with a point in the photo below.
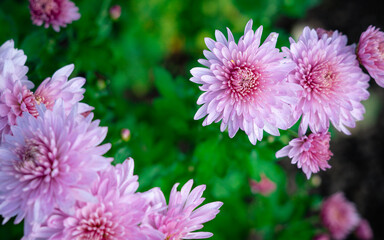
(137, 71)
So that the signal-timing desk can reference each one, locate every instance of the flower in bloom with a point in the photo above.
(311, 153)
(15, 99)
(180, 218)
(333, 84)
(370, 51)
(264, 187)
(339, 216)
(12, 63)
(364, 230)
(49, 161)
(70, 91)
(115, 215)
(57, 13)
(245, 85)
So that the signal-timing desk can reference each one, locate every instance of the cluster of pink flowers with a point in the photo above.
(340, 217)
(256, 87)
(54, 175)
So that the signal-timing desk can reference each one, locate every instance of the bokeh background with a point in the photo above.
(137, 71)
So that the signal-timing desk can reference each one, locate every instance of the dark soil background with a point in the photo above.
(358, 160)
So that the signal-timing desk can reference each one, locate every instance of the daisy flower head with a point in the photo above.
(370, 51)
(245, 85)
(339, 216)
(57, 13)
(311, 153)
(180, 218)
(12, 63)
(333, 84)
(49, 161)
(115, 215)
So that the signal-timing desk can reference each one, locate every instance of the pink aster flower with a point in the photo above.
(115, 215)
(12, 63)
(49, 162)
(311, 153)
(339, 216)
(371, 53)
(179, 219)
(264, 187)
(333, 84)
(70, 91)
(15, 99)
(245, 85)
(364, 230)
(57, 13)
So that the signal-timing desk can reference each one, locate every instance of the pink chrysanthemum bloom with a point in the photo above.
(245, 85)
(178, 219)
(57, 13)
(264, 187)
(333, 84)
(364, 230)
(370, 51)
(49, 162)
(311, 153)
(115, 216)
(339, 216)
(12, 63)
(15, 99)
(70, 91)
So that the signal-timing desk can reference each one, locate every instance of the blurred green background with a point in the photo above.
(137, 71)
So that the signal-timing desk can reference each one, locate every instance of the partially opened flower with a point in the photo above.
(311, 153)
(115, 215)
(339, 216)
(180, 218)
(371, 53)
(12, 63)
(59, 87)
(245, 85)
(57, 13)
(333, 84)
(49, 161)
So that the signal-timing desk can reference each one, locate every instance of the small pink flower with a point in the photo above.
(339, 216)
(70, 91)
(57, 13)
(179, 219)
(264, 187)
(125, 134)
(48, 162)
(115, 215)
(333, 84)
(245, 85)
(115, 12)
(364, 230)
(371, 53)
(311, 153)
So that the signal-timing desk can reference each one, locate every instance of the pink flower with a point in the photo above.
(264, 187)
(245, 85)
(311, 153)
(333, 85)
(364, 230)
(15, 99)
(115, 12)
(57, 13)
(115, 215)
(49, 162)
(179, 218)
(339, 216)
(59, 86)
(371, 53)
(12, 63)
